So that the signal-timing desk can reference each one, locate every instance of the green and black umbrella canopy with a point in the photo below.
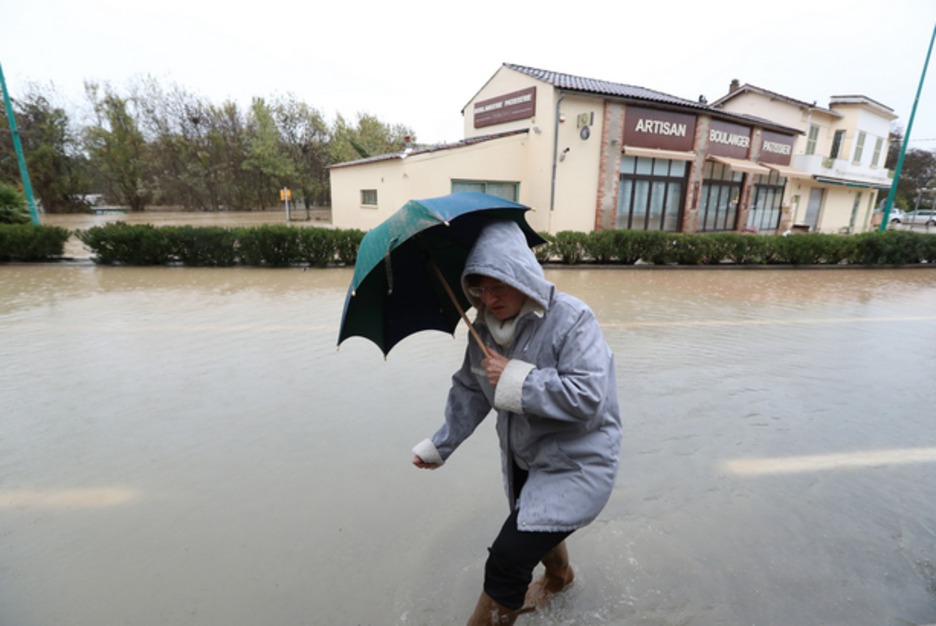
(407, 277)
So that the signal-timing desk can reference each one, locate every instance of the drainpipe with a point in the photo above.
(552, 191)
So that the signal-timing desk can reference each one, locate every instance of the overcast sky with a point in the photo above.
(419, 62)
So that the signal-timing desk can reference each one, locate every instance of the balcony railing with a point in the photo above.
(819, 165)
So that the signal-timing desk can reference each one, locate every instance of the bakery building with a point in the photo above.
(589, 154)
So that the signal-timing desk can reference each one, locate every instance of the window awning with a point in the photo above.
(786, 171)
(741, 165)
(860, 184)
(674, 155)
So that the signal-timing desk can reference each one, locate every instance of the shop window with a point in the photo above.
(811, 139)
(651, 193)
(765, 207)
(501, 189)
(718, 204)
(369, 197)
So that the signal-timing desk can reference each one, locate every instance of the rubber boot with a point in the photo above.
(558, 576)
(489, 611)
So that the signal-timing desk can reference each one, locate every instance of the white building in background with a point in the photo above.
(589, 154)
(839, 157)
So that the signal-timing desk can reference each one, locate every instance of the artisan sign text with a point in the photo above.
(656, 129)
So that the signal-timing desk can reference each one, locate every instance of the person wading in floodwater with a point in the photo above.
(550, 378)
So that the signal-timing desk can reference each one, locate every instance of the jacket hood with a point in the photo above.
(501, 252)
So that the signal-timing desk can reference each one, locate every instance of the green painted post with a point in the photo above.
(18, 147)
(885, 218)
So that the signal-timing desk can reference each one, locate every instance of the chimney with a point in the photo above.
(408, 141)
(734, 86)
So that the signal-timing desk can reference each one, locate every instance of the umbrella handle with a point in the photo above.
(458, 307)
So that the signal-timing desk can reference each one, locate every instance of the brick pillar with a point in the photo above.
(612, 137)
(694, 184)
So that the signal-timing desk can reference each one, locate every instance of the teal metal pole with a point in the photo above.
(18, 147)
(885, 218)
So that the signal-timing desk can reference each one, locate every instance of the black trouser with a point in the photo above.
(514, 555)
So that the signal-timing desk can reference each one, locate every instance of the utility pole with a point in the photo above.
(885, 218)
(18, 147)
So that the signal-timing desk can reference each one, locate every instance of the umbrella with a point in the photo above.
(406, 267)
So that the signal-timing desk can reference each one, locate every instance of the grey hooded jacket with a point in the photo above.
(556, 401)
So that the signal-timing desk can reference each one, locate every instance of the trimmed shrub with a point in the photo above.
(699, 249)
(627, 247)
(316, 246)
(658, 247)
(129, 244)
(928, 249)
(29, 242)
(803, 249)
(347, 242)
(202, 246)
(747, 248)
(274, 245)
(569, 246)
(891, 247)
(601, 245)
(544, 252)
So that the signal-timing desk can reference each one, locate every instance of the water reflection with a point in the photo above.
(188, 446)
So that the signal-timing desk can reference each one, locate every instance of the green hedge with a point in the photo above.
(267, 246)
(286, 246)
(28, 242)
(627, 247)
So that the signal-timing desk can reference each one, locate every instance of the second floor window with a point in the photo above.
(812, 139)
(859, 147)
(876, 155)
(837, 144)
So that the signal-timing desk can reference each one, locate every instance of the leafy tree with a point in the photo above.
(117, 148)
(305, 137)
(13, 209)
(369, 137)
(167, 146)
(918, 172)
(55, 167)
(50, 148)
(266, 162)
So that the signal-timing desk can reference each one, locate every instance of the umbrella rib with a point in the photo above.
(458, 307)
(389, 271)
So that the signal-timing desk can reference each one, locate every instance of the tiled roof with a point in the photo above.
(602, 87)
(618, 90)
(772, 94)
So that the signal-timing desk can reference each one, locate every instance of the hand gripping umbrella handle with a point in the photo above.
(458, 307)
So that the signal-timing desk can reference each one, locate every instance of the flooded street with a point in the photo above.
(186, 446)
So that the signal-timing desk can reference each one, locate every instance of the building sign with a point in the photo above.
(776, 148)
(729, 140)
(516, 105)
(661, 130)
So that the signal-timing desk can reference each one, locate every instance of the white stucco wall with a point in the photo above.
(424, 175)
(836, 212)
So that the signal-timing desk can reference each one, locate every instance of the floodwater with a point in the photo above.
(186, 446)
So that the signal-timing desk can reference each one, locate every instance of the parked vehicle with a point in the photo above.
(897, 216)
(925, 217)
